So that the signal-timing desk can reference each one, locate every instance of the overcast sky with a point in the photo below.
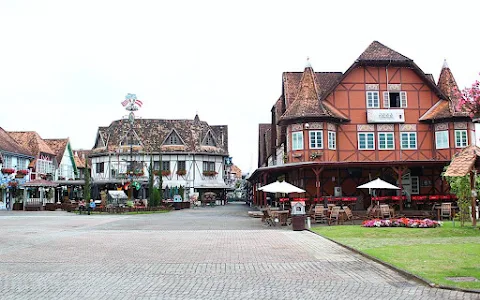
(65, 66)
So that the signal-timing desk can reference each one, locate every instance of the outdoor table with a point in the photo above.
(282, 216)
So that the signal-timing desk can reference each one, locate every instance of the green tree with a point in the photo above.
(461, 187)
(86, 188)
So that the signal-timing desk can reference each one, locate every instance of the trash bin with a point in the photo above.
(298, 215)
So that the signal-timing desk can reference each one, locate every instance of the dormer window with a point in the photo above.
(173, 139)
(209, 141)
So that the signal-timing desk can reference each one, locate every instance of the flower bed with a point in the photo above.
(401, 222)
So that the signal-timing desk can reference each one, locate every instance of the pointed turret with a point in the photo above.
(447, 83)
(196, 120)
(307, 102)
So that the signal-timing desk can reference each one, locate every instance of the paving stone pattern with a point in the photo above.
(201, 253)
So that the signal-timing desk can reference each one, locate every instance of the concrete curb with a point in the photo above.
(403, 272)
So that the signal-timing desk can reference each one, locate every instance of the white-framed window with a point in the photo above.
(408, 140)
(7, 162)
(332, 140)
(21, 163)
(461, 139)
(386, 141)
(373, 100)
(316, 139)
(366, 141)
(297, 140)
(415, 185)
(441, 139)
(394, 99)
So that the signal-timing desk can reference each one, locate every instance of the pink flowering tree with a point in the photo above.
(469, 99)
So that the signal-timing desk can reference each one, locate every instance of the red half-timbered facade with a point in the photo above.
(383, 117)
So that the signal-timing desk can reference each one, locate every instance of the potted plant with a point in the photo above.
(181, 172)
(209, 173)
(8, 171)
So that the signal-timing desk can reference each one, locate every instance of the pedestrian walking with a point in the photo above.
(92, 206)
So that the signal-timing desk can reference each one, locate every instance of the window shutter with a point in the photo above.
(403, 99)
(386, 99)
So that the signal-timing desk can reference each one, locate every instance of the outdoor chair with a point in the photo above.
(385, 211)
(446, 210)
(334, 215)
(267, 218)
(319, 214)
(350, 215)
(370, 212)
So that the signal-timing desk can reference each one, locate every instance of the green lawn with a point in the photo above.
(432, 253)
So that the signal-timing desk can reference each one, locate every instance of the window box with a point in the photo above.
(166, 173)
(181, 172)
(314, 155)
(209, 173)
(8, 171)
(22, 172)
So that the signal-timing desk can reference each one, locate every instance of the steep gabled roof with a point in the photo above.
(153, 132)
(378, 54)
(31, 141)
(444, 109)
(80, 156)
(377, 51)
(8, 144)
(58, 146)
(308, 103)
(323, 81)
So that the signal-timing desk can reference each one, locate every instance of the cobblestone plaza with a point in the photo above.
(201, 253)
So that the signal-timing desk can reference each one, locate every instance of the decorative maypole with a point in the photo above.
(131, 104)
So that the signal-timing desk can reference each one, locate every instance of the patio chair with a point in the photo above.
(446, 210)
(267, 217)
(385, 211)
(350, 215)
(319, 214)
(334, 215)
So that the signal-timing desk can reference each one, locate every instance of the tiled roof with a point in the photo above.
(153, 132)
(236, 170)
(58, 146)
(279, 110)
(8, 144)
(445, 108)
(463, 162)
(440, 110)
(376, 51)
(323, 81)
(79, 160)
(80, 156)
(308, 101)
(31, 141)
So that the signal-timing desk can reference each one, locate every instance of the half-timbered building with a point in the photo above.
(383, 117)
(187, 153)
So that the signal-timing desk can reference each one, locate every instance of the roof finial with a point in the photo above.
(445, 65)
(308, 64)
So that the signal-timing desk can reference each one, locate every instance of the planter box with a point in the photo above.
(17, 206)
(50, 206)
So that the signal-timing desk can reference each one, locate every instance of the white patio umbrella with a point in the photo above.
(378, 184)
(281, 187)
